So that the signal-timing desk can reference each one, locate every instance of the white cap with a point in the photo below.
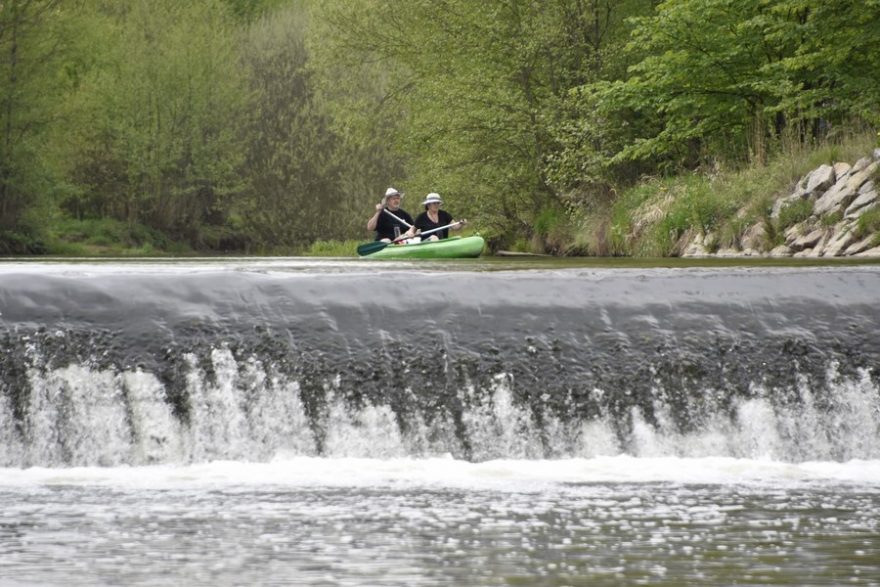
(392, 192)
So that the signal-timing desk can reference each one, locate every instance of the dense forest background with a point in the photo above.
(263, 126)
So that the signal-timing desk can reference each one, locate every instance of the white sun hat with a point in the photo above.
(392, 192)
(432, 198)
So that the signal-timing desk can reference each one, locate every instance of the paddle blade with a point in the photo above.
(370, 248)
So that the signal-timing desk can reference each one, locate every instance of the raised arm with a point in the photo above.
(374, 219)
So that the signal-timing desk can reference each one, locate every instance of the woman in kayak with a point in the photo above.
(390, 220)
(433, 217)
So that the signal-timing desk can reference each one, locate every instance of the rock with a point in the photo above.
(727, 252)
(754, 237)
(857, 180)
(860, 246)
(781, 203)
(860, 165)
(877, 154)
(855, 215)
(841, 238)
(818, 181)
(864, 199)
(807, 241)
(811, 185)
(695, 249)
(781, 251)
(841, 169)
(792, 233)
(819, 249)
(875, 252)
(840, 195)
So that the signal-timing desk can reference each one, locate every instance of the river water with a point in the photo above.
(340, 422)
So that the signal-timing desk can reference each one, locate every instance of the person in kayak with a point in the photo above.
(388, 227)
(433, 217)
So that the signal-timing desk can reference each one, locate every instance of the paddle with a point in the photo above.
(401, 220)
(370, 248)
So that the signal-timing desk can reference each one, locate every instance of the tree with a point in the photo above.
(829, 72)
(291, 166)
(726, 79)
(480, 84)
(30, 44)
(163, 100)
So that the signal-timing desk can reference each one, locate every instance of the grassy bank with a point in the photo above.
(654, 218)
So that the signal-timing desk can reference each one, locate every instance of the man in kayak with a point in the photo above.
(390, 220)
(433, 217)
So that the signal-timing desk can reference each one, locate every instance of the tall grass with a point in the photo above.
(106, 237)
(333, 248)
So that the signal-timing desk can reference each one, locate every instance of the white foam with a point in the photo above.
(447, 473)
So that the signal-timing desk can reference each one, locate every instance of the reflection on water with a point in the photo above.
(576, 534)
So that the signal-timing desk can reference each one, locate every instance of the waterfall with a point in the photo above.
(137, 368)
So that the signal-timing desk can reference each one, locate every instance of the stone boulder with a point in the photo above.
(841, 237)
(754, 238)
(859, 246)
(865, 200)
(811, 185)
(844, 191)
(781, 251)
(817, 182)
(800, 239)
(875, 252)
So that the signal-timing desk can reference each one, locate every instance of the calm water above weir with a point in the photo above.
(495, 422)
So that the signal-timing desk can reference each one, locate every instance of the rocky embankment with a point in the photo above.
(822, 217)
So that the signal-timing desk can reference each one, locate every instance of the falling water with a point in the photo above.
(331, 423)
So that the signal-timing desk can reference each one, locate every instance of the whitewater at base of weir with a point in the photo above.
(288, 422)
(408, 522)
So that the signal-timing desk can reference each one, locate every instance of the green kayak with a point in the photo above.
(455, 247)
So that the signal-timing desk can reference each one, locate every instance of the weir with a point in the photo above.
(178, 364)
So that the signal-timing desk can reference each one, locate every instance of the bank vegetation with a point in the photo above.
(273, 126)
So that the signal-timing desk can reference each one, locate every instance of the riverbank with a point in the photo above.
(804, 203)
(762, 210)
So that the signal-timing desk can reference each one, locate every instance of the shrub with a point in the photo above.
(831, 219)
(793, 213)
(869, 223)
(332, 249)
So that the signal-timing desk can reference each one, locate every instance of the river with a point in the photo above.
(518, 422)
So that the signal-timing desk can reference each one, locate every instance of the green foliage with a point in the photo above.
(869, 223)
(32, 44)
(159, 148)
(97, 235)
(267, 125)
(332, 248)
(292, 165)
(106, 237)
(729, 80)
(829, 220)
(794, 213)
(20, 242)
(480, 85)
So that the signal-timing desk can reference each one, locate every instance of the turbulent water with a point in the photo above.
(356, 423)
